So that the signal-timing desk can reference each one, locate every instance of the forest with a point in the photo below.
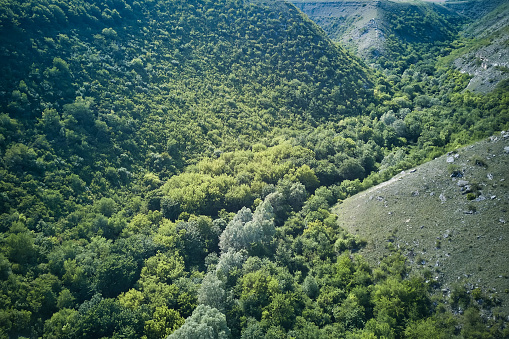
(167, 170)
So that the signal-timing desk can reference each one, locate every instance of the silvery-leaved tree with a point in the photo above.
(212, 292)
(206, 322)
(249, 231)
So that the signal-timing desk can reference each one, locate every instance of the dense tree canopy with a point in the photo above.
(167, 168)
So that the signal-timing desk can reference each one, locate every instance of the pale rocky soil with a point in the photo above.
(354, 24)
(488, 64)
(425, 214)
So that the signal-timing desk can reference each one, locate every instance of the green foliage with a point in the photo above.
(310, 287)
(136, 139)
(106, 318)
(163, 322)
(212, 292)
(206, 322)
(20, 158)
(249, 231)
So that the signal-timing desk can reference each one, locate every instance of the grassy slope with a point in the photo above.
(425, 215)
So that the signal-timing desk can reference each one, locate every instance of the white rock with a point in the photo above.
(462, 183)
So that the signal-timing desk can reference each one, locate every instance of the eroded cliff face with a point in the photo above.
(354, 24)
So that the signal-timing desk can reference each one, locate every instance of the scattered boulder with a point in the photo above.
(462, 183)
(457, 174)
(466, 189)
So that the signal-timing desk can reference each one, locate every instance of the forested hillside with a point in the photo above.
(168, 167)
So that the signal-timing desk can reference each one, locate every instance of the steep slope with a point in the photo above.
(417, 32)
(344, 21)
(158, 86)
(169, 59)
(486, 53)
(473, 9)
(383, 31)
(448, 216)
(103, 101)
(164, 160)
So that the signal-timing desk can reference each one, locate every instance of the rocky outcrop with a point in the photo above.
(487, 60)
